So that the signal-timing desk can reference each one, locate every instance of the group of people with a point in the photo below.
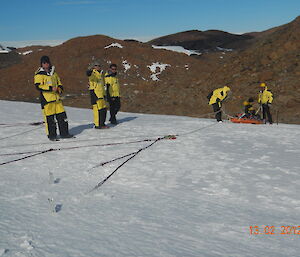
(103, 88)
(265, 99)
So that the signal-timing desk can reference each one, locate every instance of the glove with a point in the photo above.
(60, 90)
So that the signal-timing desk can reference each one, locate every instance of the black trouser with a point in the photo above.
(266, 112)
(217, 110)
(102, 117)
(62, 124)
(114, 107)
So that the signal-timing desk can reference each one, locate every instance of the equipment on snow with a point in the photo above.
(242, 118)
(170, 137)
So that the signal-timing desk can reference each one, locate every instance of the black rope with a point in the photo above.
(77, 141)
(28, 156)
(137, 152)
(20, 153)
(37, 152)
(126, 155)
(22, 124)
(22, 133)
(196, 130)
(86, 140)
(134, 154)
(118, 158)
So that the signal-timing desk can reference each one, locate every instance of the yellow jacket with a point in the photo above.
(112, 83)
(248, 106)
(265, 97)
(219, 95)
(96, 83)
(45, 82)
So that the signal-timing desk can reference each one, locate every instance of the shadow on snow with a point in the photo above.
(78, 129)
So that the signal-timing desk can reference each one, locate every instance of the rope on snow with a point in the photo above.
(37, 152)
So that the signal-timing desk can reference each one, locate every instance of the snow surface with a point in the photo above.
(196, 195)
(178, 49)
(114, 45)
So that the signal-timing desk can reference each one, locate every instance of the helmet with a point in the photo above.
(263, 85)
(226, 88)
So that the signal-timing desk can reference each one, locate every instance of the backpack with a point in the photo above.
(210, 95)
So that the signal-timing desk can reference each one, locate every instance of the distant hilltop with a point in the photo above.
(6, 50)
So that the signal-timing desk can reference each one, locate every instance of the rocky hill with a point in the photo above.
(166, 82)
(205, 41)
(274, 59)
(9, 58)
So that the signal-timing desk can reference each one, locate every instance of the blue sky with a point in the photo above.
(23, 20)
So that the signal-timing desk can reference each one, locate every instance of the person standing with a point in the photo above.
(97, 92)
(113, 92)
(216, 98)
(265, 99)
(48, 83)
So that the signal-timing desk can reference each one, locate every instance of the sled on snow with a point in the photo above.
(242, 118)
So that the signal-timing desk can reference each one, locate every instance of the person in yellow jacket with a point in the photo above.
(249, 109)
(48, 83)
(113, 92)
(97, 92)
(216, 98)
(265, 99)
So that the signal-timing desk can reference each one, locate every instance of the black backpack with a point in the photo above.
(210, 95)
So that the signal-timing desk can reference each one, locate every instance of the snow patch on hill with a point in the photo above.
(157, 68)
(27, 52)
(224, 49)
(114, 45)
(4, 49)
(178, 49)
(126, 65)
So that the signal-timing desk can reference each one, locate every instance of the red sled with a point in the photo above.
(244, 119)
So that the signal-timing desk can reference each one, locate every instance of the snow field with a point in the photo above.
(196, 195)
